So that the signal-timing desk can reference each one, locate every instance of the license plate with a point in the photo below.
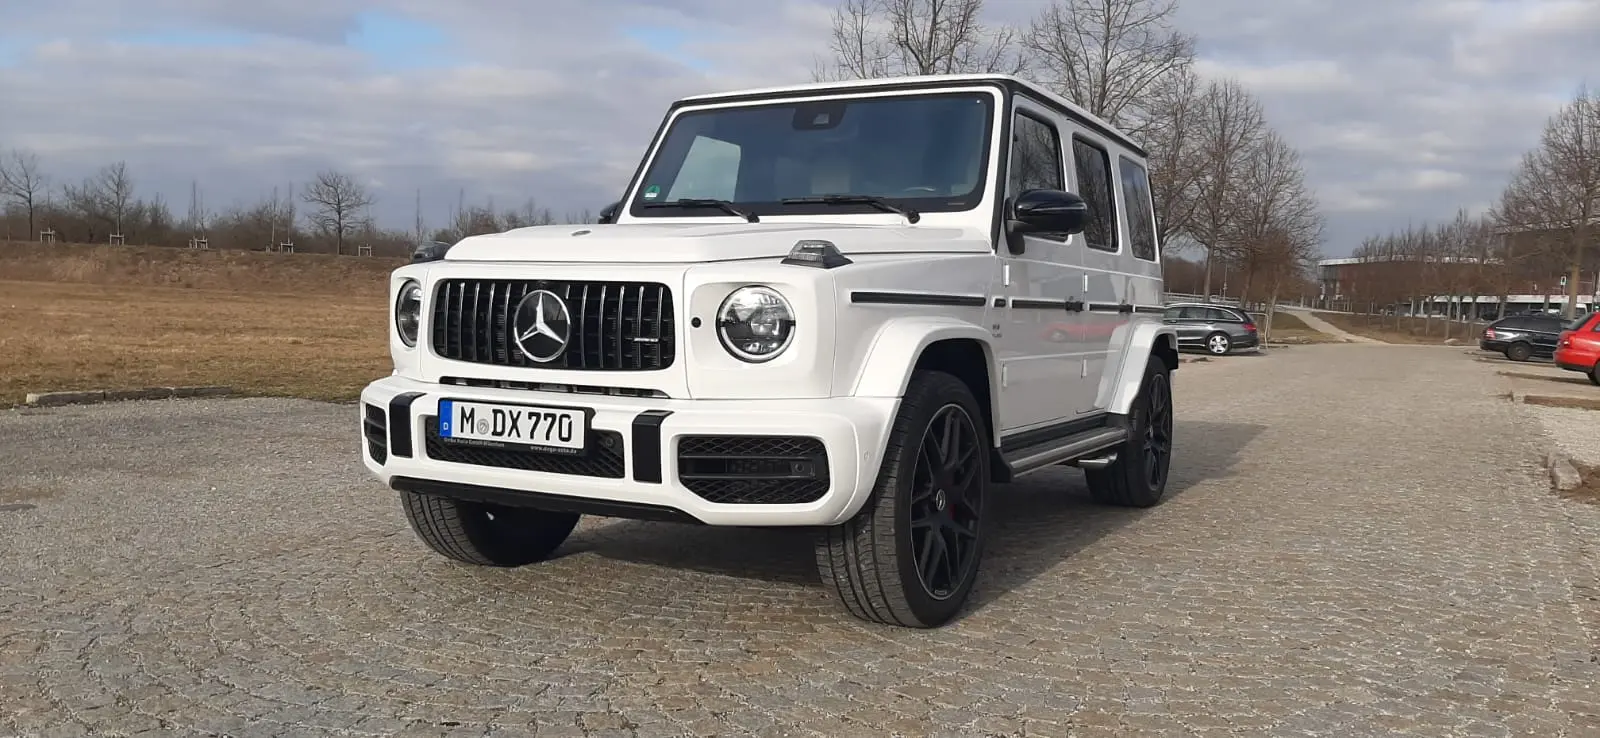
(555, 428)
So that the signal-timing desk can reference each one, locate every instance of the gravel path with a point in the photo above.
(1357, 543)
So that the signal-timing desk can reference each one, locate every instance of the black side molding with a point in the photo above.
(647, 445)
(544, 501)
(400, 423)
(917, 298)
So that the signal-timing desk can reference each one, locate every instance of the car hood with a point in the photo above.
(685, 243)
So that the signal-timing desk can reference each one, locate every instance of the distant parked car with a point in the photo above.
(1578, 347)
(1217, 329)
(1523, 337)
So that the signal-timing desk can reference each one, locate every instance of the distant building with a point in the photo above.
(1365, 283)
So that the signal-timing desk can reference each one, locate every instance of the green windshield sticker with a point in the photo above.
(652, 192)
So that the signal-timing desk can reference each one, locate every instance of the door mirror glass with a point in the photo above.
(608, 214)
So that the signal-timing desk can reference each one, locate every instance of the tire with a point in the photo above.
(1218, 344)
(483, 534)
(1519, 351)
(871, 561)
(1594, 374)
(1135, 479)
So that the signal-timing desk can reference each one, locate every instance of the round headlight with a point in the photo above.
(408, 311)
(755, 324)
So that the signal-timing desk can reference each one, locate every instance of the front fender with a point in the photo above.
(886, 372)
(1143, 341)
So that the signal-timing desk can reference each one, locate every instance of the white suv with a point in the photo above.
(856, 306)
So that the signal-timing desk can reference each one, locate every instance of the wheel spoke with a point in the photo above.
(932, 554)
(931, 453)
(949, 439)
(925, 559)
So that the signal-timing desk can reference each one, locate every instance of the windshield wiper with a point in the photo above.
(706, 202)
(912, 216)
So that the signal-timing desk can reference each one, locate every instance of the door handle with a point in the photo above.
(1074, 305)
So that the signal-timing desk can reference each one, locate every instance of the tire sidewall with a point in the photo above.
(1519, 352)
(937, 395)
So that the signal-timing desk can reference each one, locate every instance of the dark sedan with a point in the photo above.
(1217, 329)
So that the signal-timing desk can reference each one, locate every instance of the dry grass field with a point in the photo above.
(95, 317)
(1391, 329)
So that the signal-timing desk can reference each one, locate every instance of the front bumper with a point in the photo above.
(645, 456)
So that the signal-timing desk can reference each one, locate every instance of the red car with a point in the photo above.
(1578, 348)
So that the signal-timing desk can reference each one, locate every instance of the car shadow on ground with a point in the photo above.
(1038, 523)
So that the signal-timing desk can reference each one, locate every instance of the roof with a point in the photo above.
(1072, 109)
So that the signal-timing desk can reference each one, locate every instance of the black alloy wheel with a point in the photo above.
(1158, 432)
(946, 502)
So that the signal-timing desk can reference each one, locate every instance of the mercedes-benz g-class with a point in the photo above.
(857, 306)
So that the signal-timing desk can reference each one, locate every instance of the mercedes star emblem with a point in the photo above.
(541, 326)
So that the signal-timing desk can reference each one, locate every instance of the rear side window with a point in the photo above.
(1136, 201)
(1512, 324)
(1093, 166)
(1220, 315)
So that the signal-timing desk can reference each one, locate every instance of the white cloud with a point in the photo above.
(1406, 111)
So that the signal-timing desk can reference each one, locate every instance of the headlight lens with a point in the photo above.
(755, 324)
(408, 311)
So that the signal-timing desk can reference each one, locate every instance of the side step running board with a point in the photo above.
(1088, 443)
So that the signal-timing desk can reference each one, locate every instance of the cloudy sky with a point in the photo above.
(1405, 109)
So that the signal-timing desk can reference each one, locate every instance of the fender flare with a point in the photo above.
(886, 370)
(1143, 339)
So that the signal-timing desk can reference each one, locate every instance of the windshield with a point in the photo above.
(1577, 322)
(924, 152)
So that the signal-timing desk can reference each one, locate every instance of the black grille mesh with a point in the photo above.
(753, 470)
(616, 326)
(376, 431)
(602, 459)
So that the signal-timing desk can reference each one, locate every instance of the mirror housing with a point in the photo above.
(429, 251)
(608, 214)
(1048, 211)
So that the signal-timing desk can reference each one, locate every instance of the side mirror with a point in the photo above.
(608, 214)
(1048, 211)
(429, 251)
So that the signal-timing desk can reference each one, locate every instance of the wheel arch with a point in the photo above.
(1147, 342)
(908, 345)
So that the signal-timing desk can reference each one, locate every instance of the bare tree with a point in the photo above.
(1110, 56)
(1172, 138)
(114, 187)
(1277, 224)
(1229, 123)
(884, 38)
(1556, 187)
(339, 202)
(23, 182)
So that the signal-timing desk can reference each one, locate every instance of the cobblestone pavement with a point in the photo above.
(1357, 544)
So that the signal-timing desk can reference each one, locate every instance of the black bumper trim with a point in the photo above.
(400, 423)
(647, 445)
(544, 501)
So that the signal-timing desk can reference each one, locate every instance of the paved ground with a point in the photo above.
(1357, 544)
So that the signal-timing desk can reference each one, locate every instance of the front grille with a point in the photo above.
(602, 459)
(615, 326)
(574, 389)
(754, 470)
(376, 431)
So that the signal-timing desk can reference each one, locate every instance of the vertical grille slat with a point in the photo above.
(614, 326)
